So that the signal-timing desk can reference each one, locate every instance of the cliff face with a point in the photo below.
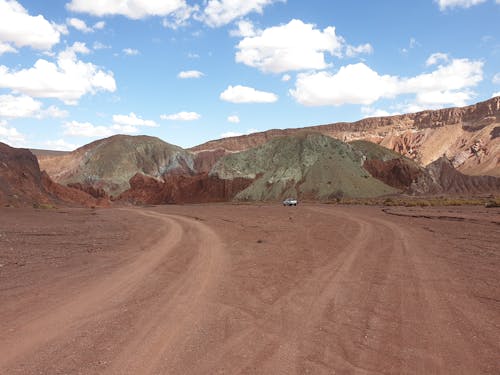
(23, 184)
(469, 136)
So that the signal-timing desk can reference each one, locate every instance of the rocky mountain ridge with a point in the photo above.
(469, 136)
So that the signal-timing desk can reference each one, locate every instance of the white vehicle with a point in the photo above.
(290, 202)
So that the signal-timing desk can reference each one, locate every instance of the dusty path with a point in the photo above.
(222, 289)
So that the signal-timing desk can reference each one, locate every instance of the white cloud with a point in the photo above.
(294, 46)
(67, 80)
(230, 134)
(23, 106)
(19, 106)
(243, 94)
(286, 77)
(130, 51)
(134, 9)
(221, 12)
(79, 25)
(376, 112)
(443, 4)
(495, 94)
(59, 145)
(180, 17)
(352, 51)
(86, 129)
(133, 120)
(10, 135)
(496, 77)
(245, 29)
(237, 134)
(233, 119)
(5, 47)
(437, 57)
(21, 29)
(124, 129)
(190, 74)
(359, 84)
(182, 116)
(98, 45)
(99, 25)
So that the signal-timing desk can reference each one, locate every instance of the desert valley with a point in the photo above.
(130, 255)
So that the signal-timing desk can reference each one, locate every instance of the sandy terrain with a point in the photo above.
(248, 289)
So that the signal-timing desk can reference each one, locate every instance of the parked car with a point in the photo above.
(290, 202)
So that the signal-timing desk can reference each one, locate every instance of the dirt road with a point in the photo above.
(226, 289)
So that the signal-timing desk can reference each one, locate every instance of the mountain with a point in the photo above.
(111, 162)
(306, 165)
(23, 184)
(442, 178)
(468, 136)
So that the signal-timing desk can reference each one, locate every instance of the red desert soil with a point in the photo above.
(249, 289)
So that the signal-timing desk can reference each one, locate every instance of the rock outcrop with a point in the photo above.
(443, 178)
(200, 188)
(109, 163)
(466, 135)
(23, 184)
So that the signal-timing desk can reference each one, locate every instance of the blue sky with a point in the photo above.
(72, 71)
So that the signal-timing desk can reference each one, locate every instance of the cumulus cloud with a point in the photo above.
(10, 135)
(59, 145)
(190, 74)
(376, 112)
(359, 84)
(245, 29)
(495, 94)
(234, 119)
(243, 94)
(237, 134)
(182, 116)
(221, 12)
(98, 45)
(5, 47)
(294, 46)
(67, 80)
(79, 25)
(130, 51)
(180, 17)
(22, 106)
(352, 51)
(437, 57)
(133, 120)
(134, 9)
(286, 77)
(86, 129)
(444, 4)
(19, 28)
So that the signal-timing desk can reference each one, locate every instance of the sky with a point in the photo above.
(188, 71)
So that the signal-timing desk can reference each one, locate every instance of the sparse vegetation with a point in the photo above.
(421, 201)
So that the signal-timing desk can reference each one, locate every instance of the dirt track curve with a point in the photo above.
(222, 289)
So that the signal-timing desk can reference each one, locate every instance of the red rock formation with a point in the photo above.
(71, 196)
(23, 184)
(182, 189)
(95, 192)
(396, 172)
(20, 178)
(205, 160)
(443, 178)
(422, 136)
